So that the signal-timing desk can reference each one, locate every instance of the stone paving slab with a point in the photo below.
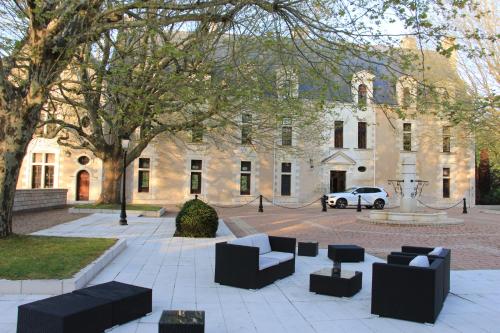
(181, 271)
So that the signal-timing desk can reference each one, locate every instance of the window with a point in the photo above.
(197, 134)
(339, 134)
(246, 129)
(245, 177)
(446, 182)
(42, 170)
(362, 95)
(83, 160)
(196, 166)
(407, 136)
(361, 169)
(144, 166)
(286, 179)
(446, 139)
(406, 97)
(361, 135)
(286, 136)
(85, 122)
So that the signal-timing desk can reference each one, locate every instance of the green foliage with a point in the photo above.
(43, 257)
(196, 219)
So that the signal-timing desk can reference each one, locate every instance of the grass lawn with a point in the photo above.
(117, 206)
(42, 257)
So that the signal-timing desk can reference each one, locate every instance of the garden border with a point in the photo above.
(58, 287)
(146, 213)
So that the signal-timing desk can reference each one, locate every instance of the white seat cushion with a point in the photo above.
(246, 241)
(419, 261)
(281, 256)
(262, 242)
(267, 262)
(437, 251)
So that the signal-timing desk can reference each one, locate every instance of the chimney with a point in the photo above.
(447, 43)
(409, 42)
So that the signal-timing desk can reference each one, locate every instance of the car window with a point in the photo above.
(361, 190)
(375, 190)
(351, 189)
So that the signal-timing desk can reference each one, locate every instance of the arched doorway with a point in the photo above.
(82, 186)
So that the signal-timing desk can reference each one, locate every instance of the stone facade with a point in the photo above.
(307, 170)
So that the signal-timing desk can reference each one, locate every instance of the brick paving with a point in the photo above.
(475, 244)
(31, 221)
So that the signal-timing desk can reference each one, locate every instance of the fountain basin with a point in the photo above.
(416, 218)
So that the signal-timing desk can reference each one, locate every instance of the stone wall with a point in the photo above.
(40, 198)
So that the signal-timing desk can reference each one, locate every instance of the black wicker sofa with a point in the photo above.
(255, 261)
(444, 254)
(406, 292)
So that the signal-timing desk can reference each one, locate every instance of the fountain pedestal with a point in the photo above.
(407, 213)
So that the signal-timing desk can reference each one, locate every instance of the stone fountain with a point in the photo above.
(408, 213)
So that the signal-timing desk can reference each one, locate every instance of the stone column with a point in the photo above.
(409, 173)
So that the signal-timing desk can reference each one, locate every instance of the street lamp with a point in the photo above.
(123, 215)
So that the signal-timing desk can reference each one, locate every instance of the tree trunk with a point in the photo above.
(111, 179)
(15, 135)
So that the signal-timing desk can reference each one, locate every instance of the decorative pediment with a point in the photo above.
(339, 158)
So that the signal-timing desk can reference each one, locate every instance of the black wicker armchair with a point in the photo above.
(414, 251)
(407, 292)
(249, 266)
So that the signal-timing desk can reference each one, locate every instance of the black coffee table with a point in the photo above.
(347, 284)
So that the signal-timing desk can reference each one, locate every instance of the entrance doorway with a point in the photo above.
(82, 186)
(337, 181)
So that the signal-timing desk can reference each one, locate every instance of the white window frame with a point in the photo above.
(43, 164)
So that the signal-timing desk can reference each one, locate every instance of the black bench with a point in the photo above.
(128, 302)
(68, 313)
(346, 253)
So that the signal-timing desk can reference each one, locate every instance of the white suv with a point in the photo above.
(370, 197)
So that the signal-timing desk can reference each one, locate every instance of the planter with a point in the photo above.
(146, 213)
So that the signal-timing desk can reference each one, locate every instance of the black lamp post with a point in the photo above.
(123, 213)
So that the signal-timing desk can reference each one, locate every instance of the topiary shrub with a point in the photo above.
(196, 219)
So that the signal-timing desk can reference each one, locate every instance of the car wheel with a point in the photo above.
(379, 204)
(369, 207)
(341, 203)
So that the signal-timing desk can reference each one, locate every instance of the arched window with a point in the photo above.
(406, 97)
(362, 95)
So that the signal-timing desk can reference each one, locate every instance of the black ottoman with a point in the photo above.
(180, 321)
(308, 249)
(128, 302)
(346, 253)
(68, 313)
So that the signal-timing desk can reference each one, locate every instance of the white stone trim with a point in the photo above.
(58, 287)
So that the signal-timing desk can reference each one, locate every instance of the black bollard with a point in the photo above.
(196, 197)
(261, 207)
(359, 204)
(323, 203)
(464, 211)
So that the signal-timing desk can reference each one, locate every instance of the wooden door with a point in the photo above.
(337, 181)
(82, 186)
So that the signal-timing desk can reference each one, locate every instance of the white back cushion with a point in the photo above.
(262, 242)
(437, 251)
(419, 261)
(246, 241)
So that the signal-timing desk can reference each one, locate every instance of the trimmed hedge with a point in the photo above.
(196, 219)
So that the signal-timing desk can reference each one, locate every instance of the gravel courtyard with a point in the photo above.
(475, 244)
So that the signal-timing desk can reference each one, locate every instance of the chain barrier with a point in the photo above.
(286, 207)
(236, 206)
(438, 208)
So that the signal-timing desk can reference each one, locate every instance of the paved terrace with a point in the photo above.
(181, 270)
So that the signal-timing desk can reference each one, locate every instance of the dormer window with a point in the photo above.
(406, 97)
(362, 95)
